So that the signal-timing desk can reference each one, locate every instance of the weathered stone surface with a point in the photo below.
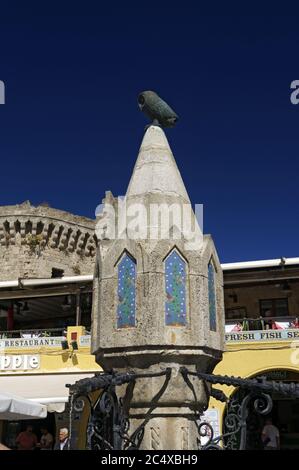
(173, 433)
(155, 170)
(33, 240)
(152, 345)
(150, 302)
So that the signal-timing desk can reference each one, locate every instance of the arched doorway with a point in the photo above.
(284, 414)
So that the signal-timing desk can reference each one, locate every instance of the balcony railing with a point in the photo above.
(261, 323)
(29, 333)
(262, 329)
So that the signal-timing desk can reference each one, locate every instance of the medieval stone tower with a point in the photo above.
(158, 298)
(37, 241)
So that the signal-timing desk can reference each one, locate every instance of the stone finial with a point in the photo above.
(155, 171)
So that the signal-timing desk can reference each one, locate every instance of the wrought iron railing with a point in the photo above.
(33, 333)
(263, 323)
(109, 422)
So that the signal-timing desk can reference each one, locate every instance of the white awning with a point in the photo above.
(47, 389)
(16, 408)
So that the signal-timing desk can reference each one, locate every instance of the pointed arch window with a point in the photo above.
(126, 306)
(175, 287)
(212, 295)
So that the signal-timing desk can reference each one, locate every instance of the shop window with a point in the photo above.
(126, 292)
(212, 295)
(175, 289)
(274, 307)
(235, 313)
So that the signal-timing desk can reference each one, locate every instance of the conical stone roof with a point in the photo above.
(155, 171)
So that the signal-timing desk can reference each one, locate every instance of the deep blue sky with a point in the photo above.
(70, 128)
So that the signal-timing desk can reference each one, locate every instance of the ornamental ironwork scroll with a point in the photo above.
(109, 424)
(256, 396)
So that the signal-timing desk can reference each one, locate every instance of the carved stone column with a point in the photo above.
(158, 303)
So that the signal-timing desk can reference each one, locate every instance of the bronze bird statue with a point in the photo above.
(157, 110)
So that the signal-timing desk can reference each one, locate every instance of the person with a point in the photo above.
(270, 436)
(63, 440)
(46, 440)
(26, 440)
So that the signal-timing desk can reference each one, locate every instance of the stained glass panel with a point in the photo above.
(212, 295)
(126, 292)
(175, 284)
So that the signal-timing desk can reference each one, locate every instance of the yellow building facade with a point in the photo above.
(38, 369)
(257, 359)
(261, 340)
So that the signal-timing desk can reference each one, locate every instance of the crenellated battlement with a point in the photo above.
(43, 238)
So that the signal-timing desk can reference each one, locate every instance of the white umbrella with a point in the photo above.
(16, 408)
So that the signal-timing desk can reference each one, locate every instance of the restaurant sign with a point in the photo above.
(262, 336)
(28, 343)
(19, 362)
